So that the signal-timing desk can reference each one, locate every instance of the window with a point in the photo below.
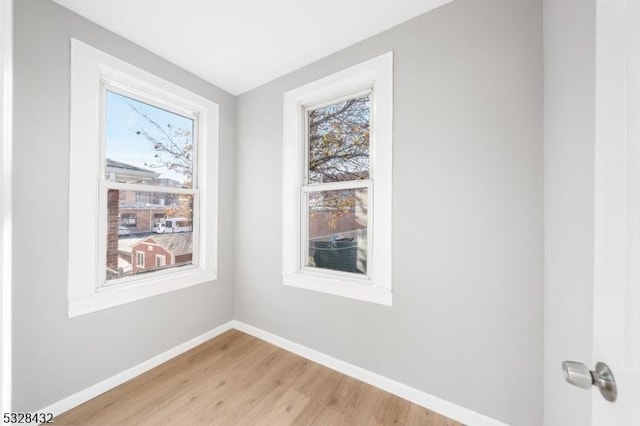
(161, 260)
(337, 183)
(138, 144)
(150, 145)
(128, 219)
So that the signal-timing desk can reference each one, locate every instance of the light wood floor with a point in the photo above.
(236, 379)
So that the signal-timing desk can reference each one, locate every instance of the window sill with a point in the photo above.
(111, 296)
(340, 286)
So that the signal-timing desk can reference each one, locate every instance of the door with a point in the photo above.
(617, 209)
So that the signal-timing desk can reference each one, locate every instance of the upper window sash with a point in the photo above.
(108, 85)
(306, 112)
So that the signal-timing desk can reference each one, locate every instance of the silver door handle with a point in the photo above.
(579, 375)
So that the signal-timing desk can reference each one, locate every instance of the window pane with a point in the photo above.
(339, 141)
(148, 231)
(146, 144)
(338, 230)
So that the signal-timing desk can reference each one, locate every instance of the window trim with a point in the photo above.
(89, 68)
(376, 73)
(163, 262)
(141, 259)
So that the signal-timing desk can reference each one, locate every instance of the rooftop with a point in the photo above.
(176, 244)
(125, 166)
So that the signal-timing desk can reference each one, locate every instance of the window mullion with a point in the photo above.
(147, 188)
(337, 186)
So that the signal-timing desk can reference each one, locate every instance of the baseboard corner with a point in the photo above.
(91, 392)
(416, 396)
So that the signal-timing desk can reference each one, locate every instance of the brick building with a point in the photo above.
(141, 219)
(136, 210)
(161, 251)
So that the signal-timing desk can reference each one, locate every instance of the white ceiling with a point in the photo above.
(240, 44)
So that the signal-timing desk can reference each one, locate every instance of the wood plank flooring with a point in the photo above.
(236, 379)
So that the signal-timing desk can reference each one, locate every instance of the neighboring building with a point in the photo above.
(117, 171)
(160, 251)
(164, 199)
(139, 210)
(127, 173)
(141, 219)
(325, 224)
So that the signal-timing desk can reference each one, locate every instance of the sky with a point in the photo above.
(122, 142)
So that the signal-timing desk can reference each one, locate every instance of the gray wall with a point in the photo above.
(569, 135)
(466, 323)
(55, 356)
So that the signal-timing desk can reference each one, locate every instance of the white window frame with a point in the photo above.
(375, 286)
(140, 259)
(87, 289)
(163, 260)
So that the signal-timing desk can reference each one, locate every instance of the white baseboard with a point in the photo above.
(110, 383)
(446, 408)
